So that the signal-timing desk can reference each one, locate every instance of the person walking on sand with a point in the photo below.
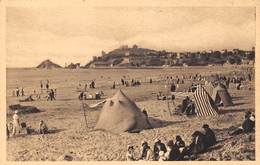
(16, 123)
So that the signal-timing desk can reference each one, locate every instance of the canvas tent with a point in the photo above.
(219, 94)
(204, 105)
(209, 87)
(120, 114)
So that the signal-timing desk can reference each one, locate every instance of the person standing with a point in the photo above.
(114, 85)
(16, 123)
(85, 87)
(41, 86)
(47, 85)
(17, 91)
(22, 91)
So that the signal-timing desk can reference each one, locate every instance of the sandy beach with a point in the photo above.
(71, 136)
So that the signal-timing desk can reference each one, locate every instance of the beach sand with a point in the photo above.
(70, 135)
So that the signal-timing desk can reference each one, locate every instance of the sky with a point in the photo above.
(75, 34)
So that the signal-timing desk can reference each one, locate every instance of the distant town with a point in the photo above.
(135, 56)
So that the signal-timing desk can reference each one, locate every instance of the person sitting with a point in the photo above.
(173, 152)
(173, 87)
(97, 96)
(190, 110)
(149, 154)
(162, 156)
(185, 103)
(144, 149)
(248, 126)
(179, 142)
(247, 114)
(43, 129)
(29, 98)
(210, 138)
(81, 95)
(158, 146)
(130, 153)
(197, 145)
(161, 96)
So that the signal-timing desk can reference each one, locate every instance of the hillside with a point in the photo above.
(48, 64)
(135, 56)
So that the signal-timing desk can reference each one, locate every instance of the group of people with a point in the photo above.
(92, 84)
(187, 107)
(87, 96)
(174, 151)
(51, 95)
(47, 85)
(161, 96)
(18, 92)
(16, 126)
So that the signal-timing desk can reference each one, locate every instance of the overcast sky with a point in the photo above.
(76, 34)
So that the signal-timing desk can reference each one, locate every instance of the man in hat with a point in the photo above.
(16, 123)
(210, 138)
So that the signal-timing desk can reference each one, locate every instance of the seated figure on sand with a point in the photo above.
(210, 138)
(173, 152)
(158, 146)
(247, 126)
(43, 129)
(28, 99)
(130, 156)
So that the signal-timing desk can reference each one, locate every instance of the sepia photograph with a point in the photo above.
(130, 83)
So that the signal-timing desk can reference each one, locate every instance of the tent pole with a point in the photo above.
(83, 106)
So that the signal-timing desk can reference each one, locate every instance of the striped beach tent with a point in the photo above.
(204, 104)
